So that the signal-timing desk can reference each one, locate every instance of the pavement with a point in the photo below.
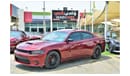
(104, 65)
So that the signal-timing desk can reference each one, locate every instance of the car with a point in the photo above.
(18, 36)
(113, 43)
(59, 46)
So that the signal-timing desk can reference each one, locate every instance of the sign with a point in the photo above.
(10, 9)
(68, 15)
(27, 17)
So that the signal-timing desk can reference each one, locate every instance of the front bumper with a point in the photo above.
(116, 49)
(30, 60)
(12, 48)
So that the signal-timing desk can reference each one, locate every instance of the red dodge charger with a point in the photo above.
(59, 46)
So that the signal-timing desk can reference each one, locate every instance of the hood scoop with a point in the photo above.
(30, 43)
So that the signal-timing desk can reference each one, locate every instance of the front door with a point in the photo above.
(75, 47)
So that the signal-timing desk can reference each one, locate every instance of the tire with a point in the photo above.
(97, 52)
(111, 48)
(52, 60)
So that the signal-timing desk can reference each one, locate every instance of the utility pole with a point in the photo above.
(44, 22)
(106, 12)
(51, 27)
(85, 19)
(92, 17)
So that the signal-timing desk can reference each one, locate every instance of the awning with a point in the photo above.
(99, 16)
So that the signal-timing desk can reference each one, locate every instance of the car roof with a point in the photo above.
(71, 30)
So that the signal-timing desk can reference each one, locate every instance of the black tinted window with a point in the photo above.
(86, 35)
(27, 29)
(75, 36)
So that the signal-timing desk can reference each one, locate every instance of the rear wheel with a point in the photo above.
(52, 60)
(97, 52)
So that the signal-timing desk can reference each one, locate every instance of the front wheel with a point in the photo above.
(111, 47)
(52, 60)
(97, 52)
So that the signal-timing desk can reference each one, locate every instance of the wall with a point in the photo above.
(21, 19)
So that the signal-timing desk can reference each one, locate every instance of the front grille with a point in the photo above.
(22, 59)
(24, 51)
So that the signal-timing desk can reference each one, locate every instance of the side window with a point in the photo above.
(75, 36)
(86, 35)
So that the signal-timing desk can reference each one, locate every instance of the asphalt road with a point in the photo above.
(104, 65)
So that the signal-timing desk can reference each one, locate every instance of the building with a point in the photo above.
(42, 22)
(16, 16)
(34, 21)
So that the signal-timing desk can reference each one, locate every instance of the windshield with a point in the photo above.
(56, 36)
(15, 34)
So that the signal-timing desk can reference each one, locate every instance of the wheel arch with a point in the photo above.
(100, 47)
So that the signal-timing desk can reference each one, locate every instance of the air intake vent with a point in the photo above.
(29, 43)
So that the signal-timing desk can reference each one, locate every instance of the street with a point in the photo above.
(104, 65)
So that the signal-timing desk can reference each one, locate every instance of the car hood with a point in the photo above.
(34, 45)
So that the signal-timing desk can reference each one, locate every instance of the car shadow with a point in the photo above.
(64, 65)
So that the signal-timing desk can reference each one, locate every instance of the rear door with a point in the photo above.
(88, 43)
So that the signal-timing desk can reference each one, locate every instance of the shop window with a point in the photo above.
(27, 29)
(54, 29)
(48, 29)
(33, 29)
(41, 30)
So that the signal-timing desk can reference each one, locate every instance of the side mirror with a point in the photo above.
(69, 40)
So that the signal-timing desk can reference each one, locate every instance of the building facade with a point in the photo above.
(34, 21)
(16, 18)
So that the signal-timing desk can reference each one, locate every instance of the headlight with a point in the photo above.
(38, 52)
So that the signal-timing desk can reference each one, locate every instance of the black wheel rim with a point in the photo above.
(52, 60)
(97, 52)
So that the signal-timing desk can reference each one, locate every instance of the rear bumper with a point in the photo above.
(30, 60)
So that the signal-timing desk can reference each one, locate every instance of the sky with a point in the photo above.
(37, 6)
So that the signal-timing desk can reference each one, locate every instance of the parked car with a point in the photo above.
(113, 43)
(17, 36)
(59, 46)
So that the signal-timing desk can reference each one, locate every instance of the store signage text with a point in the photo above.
(58, 15)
